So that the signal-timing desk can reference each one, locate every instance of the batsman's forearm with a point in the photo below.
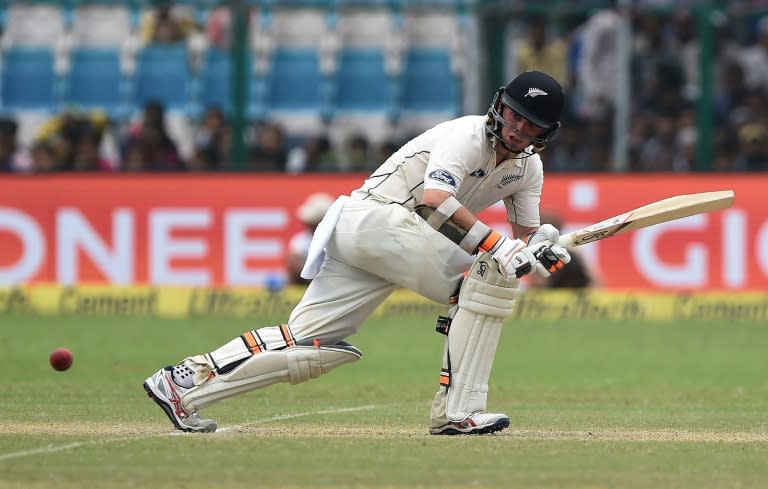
(448, 228)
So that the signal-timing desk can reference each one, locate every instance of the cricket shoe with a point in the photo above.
(477, 423)
(167, 394)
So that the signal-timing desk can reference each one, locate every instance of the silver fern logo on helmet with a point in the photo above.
(535, 92)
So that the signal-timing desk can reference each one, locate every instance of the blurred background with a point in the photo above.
(336, 85)
(180, 141)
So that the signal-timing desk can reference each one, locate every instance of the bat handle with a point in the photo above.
(566, 240)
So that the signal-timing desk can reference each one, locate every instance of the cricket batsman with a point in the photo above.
(411, 224)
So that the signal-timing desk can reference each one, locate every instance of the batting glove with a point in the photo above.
(550, 258)
(546, 233)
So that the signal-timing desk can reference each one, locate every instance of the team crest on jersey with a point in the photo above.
(479, 173)
(443, 176)
(507, 179)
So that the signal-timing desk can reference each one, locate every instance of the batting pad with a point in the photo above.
(228, 356)
(294, 364)
(486, 299)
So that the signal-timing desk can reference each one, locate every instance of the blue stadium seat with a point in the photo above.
(28, 79)
(294, 81)
(96, 82)
(429, 85)
(163, 74)
(362, 83)
(215, 80)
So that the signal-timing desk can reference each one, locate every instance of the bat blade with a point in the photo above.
(657, 212)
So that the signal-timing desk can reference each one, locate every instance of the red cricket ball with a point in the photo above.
(61, 359)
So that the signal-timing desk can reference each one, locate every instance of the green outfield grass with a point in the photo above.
(593, 405)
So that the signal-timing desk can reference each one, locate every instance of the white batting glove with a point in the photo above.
(504, 252)
(549, 258)
(546, 232)
(514, 258)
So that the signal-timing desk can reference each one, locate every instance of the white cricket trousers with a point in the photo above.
(374, 249)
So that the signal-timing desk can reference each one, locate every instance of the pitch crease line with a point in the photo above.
(72, 446)
(290, 416)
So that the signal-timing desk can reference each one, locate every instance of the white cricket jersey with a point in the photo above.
(457, 157)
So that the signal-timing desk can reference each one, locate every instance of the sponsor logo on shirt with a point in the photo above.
(479, 173)
(442, 176)
(507, 179)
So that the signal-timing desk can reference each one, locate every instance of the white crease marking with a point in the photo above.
(71, 446)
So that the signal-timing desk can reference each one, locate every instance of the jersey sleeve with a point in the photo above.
(448, 162)
(523, 206)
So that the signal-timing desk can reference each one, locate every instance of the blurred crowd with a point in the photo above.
(664, 75)
(577, 49)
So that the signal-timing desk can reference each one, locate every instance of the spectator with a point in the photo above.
(316, 154)
(537, 52)
(356, 155)
(658, 76)
(666, 90)
(659, 151)
(321, 156)
(212, 141)
(159, 150)
(731, 94)
(648, 53)
(270, 153)
(685, 157)
(597, 68)
(755, 59)
(219, 28)
(64, 132)
(599, 133)
(43, 158)
(9, 161)
(87, 155)
(568, 153)
(135, 157)
(751, 109)
(727, 53)
(310, 213)
(753, 147)
(166, 24)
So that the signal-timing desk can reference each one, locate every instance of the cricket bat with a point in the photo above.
(662, 211)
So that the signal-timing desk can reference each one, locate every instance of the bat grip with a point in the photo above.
(566, 240)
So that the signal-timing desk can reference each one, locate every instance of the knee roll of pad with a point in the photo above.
(486, 291)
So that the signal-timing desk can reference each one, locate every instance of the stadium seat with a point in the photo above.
(95, 81)
(294, 81)
(34, 24)
(362, 83)
(429, 84)
(293, 54)
(215, 78)
(163, 74)
(28, 79)
(101, 25)
(433, 64)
